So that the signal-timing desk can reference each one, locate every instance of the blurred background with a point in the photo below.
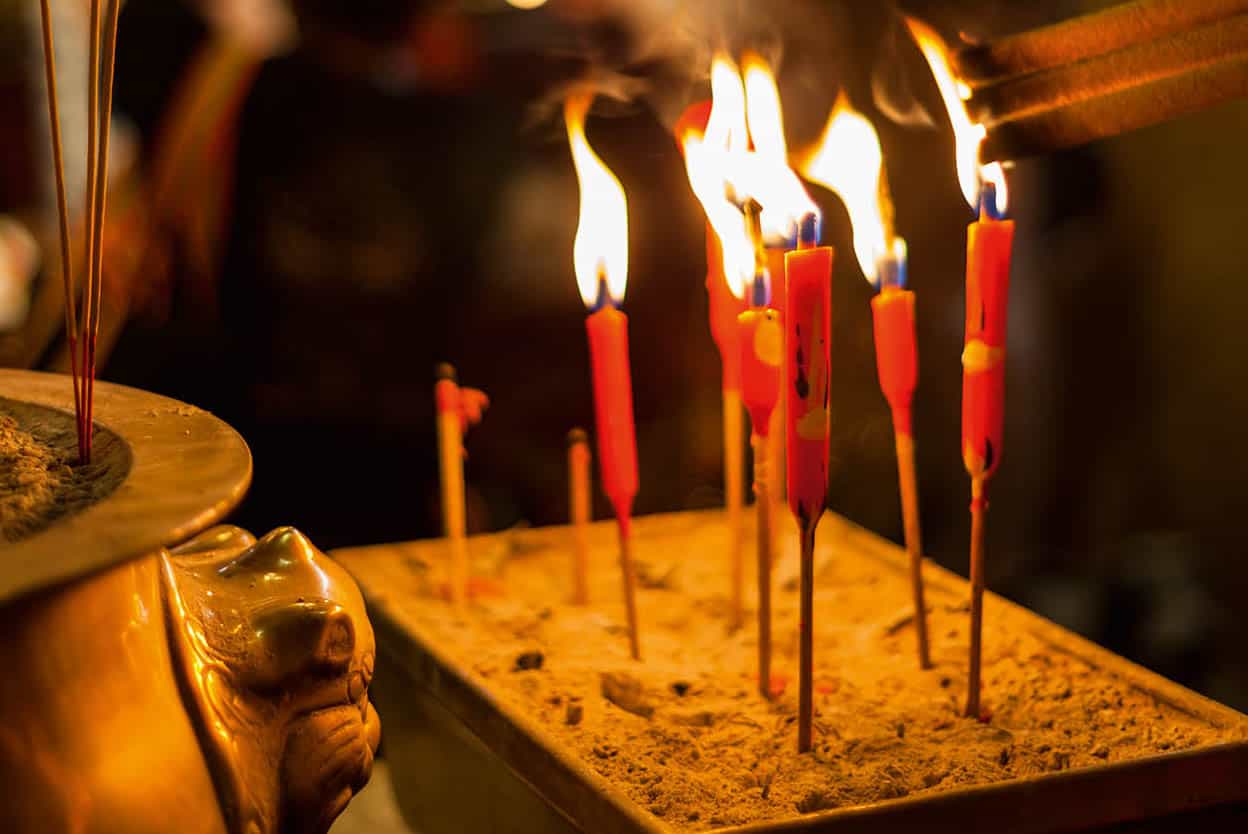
(315, 202)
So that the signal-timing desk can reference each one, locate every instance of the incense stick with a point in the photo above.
(62, 203)
(909, 488)
(100, 205)
(763, 504)
(93, 124)
(977, 596)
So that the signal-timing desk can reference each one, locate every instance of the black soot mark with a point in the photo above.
(801, 384)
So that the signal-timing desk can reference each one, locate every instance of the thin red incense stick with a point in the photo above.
(93, 123)
(99, 208)
(62, 204)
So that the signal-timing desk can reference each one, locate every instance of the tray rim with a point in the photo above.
(539, 759)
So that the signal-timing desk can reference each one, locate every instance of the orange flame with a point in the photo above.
(725, 171)
(600, 253)
(848, 160)
(968, 135)
(707, 161)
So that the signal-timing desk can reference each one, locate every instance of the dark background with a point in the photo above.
(381, 227)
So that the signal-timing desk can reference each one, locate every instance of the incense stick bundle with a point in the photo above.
(1089, 36)
(1105, 74)
(83, 332)
(1100, 117)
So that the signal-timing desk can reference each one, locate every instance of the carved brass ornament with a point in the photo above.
(277, 655)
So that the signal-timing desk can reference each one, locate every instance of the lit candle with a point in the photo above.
(989, 242)
(849, 161)
(600, 258)
(807, 377)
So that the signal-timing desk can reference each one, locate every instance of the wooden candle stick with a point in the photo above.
(807, 360)
(724, 310)
(457, 409)
(579, 510)
(762, 355)
(451, 466)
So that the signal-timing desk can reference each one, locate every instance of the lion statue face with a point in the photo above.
(277, 654)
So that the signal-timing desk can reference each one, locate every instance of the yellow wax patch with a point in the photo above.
(769, 342)
(813, 425)
(979, 356)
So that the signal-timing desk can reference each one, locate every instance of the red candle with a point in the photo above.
(896, 356)
(762, 356)
(988, 247)
(613, 407)
(807, 354)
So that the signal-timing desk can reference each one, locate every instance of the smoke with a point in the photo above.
(892, 84)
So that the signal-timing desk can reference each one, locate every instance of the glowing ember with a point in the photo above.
(848, 161)
(968, 135)
(600, 253)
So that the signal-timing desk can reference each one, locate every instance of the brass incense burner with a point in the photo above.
(165, 675)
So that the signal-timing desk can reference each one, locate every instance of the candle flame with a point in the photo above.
(766, 175)
(968, 135)
(848, 161)
(741, 155)
(600, 253)
(707, 160)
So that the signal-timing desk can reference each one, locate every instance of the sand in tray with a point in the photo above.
(686, 735)
(40, 479)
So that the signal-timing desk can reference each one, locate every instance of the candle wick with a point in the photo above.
(988, 202)
(808, 231)
(604, 294)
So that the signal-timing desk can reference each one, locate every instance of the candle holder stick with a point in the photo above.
(628, 573)
(978, 506)
(806, 637)
(909, 488)
(579, 458)
(734, 497)
(763, 506)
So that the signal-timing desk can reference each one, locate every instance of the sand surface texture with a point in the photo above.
(686, 733)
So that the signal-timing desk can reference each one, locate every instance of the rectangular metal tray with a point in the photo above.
(464, 762)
